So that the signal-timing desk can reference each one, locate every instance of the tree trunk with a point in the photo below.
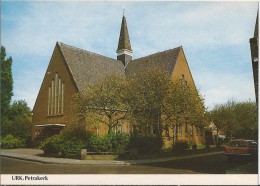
(109, 129)
(217, 135)
(177, 131)
(110, 125)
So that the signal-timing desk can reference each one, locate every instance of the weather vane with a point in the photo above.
(123, 10)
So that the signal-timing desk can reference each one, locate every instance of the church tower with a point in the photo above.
(124, 51)
(254, 57)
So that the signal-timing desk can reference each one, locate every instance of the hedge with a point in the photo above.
(114, 142)
(66, 144)
(146, 144)
(181, 145)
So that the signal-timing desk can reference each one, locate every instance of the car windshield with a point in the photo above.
(237, 144)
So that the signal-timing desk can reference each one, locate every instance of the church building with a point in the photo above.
(71, 69)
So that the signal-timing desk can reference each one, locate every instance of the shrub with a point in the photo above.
(66, 144)
(146, 144)
(96, 144)
(71, 147)
(119, 142)
(77, 133)
(181, 145)
(194, 146)
(10, 142)
(52, 144)
(115, 142)
(17, 121)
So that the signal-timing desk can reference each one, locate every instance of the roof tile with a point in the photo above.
(163, 60)
(87, 67)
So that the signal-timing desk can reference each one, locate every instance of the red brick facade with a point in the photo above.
(41, 116)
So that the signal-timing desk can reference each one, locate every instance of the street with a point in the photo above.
(213, 164)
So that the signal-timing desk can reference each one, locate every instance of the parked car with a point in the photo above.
(241, 148)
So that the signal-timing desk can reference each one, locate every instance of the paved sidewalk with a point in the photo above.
(36, 155)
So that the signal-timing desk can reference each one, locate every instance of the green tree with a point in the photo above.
(246, 116)
(147, 99)
(6, 82)
(145, 96)
(237, 119)
(155, 99)
(183, 104)
(19, 120)
(223, 117)
(15, 117)
(101, 103)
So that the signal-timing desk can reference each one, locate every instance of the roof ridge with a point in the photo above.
(84, 50)
(159, 52)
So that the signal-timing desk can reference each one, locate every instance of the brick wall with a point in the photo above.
(40, 112)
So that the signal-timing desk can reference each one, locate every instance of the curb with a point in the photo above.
(100, 162)
(158, 160)
(63, 161)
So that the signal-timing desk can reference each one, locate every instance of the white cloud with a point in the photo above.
(220, 87)
(202, 28)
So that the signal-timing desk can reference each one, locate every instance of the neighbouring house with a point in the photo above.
(214, 133)
(71, 69)
(254, 56)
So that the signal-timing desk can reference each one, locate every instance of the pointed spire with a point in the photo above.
(256, 27)
(124, 51)
(124, 41)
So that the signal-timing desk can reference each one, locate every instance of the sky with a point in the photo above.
(214, 35)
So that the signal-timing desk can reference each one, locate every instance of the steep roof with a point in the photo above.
(124, 41)
(165, 61)
(87, 67)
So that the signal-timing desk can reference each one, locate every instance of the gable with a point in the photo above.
(172, 61)
(181, 69)
(57, 71)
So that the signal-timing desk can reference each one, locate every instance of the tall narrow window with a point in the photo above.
(59, 96)
(56, 97)
(52, 97)
(56, 94)
(97, 130)
(155, 129)
(148, 130)
(49, 101)
(180, 129)
(167, 130)
(118, 129)
(201, 131)
(62, 98)
(136, 129)
(184, 82)
(186, 128)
